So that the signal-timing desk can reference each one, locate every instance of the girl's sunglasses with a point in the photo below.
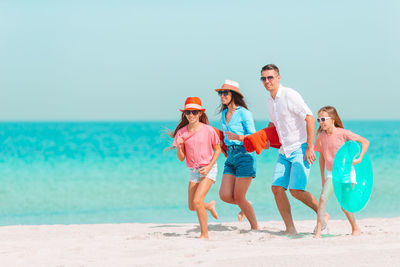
(322, 119)
(224, 93)
(194, 112)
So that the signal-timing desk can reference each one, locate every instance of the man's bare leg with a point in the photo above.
(282, 202)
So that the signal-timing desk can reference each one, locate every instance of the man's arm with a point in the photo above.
(310, 125)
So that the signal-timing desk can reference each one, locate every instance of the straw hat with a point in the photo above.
(230, 85)
(192, 103)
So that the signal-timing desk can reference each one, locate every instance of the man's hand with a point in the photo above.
(310, 155)
(267, 145)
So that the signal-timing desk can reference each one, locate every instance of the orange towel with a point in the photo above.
(258, 140)
(224, 148)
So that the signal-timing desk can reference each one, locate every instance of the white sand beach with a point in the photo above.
(230, 244)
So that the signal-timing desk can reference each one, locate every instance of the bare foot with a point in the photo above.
(203, 237)
(356, 232)
(212, 209)
(241, 216)
(317, 235)
(290, 232)
(326, 219)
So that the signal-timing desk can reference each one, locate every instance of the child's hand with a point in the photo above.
(356, 161)
(205, 170)
(179, 141)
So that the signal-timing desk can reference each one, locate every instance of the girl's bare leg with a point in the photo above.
(322, 215)
(355, 230)
(198, 202)
(191, 191)
(211, 208)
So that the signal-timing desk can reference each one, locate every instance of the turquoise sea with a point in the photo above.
(116, 172)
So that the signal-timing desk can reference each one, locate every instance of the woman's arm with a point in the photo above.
(364, 146)
(248, 126)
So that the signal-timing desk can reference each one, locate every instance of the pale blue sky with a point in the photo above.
(123, 60)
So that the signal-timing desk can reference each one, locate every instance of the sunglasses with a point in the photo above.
(224, 93)
(322, 119)
(269, 78)
(194, 112)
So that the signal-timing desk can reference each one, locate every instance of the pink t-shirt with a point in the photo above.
(329, 144)
(198, 146)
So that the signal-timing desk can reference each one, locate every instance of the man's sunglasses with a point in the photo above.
(224, 93)
(194, 112)
(269, 78)
(322, 119)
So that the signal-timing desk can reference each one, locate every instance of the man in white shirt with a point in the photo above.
(295, 125)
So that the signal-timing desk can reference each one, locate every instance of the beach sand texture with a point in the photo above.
(230, 244)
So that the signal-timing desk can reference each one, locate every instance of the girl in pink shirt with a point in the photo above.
(330, 137)
(199, 143)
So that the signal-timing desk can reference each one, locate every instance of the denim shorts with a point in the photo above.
(292, 171)
(195, 176)
(239, 162)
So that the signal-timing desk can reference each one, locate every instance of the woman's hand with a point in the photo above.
(233, 136)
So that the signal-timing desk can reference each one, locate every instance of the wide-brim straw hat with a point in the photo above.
(230, 85)
(193, 103)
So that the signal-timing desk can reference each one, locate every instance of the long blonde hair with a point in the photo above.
(334, 116)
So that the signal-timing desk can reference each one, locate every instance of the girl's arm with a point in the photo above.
(322, 168)
(180, 151)
(205, 170)
(364, 146)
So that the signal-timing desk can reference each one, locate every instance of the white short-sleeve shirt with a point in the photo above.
(288, 112)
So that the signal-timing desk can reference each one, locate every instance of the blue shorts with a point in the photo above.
(239, 162)
(292, 171)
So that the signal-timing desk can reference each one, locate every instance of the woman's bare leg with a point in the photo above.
(240, 190)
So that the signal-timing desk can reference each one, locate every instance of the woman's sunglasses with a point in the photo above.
(194, 112)
(322, 119)
(224, 93)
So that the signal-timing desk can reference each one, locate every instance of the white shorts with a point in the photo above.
(195, 176)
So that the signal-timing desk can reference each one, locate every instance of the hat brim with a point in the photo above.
(202, 109)
(224, 89)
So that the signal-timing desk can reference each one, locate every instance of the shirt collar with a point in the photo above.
(279, 93)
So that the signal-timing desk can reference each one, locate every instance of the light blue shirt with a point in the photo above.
(241, 123)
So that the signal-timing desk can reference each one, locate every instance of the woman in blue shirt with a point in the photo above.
(240, 166)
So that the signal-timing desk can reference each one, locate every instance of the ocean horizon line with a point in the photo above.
(162, 121)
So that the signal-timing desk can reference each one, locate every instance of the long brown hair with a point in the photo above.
(184, 121)
(332, 112)
(237, 99)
